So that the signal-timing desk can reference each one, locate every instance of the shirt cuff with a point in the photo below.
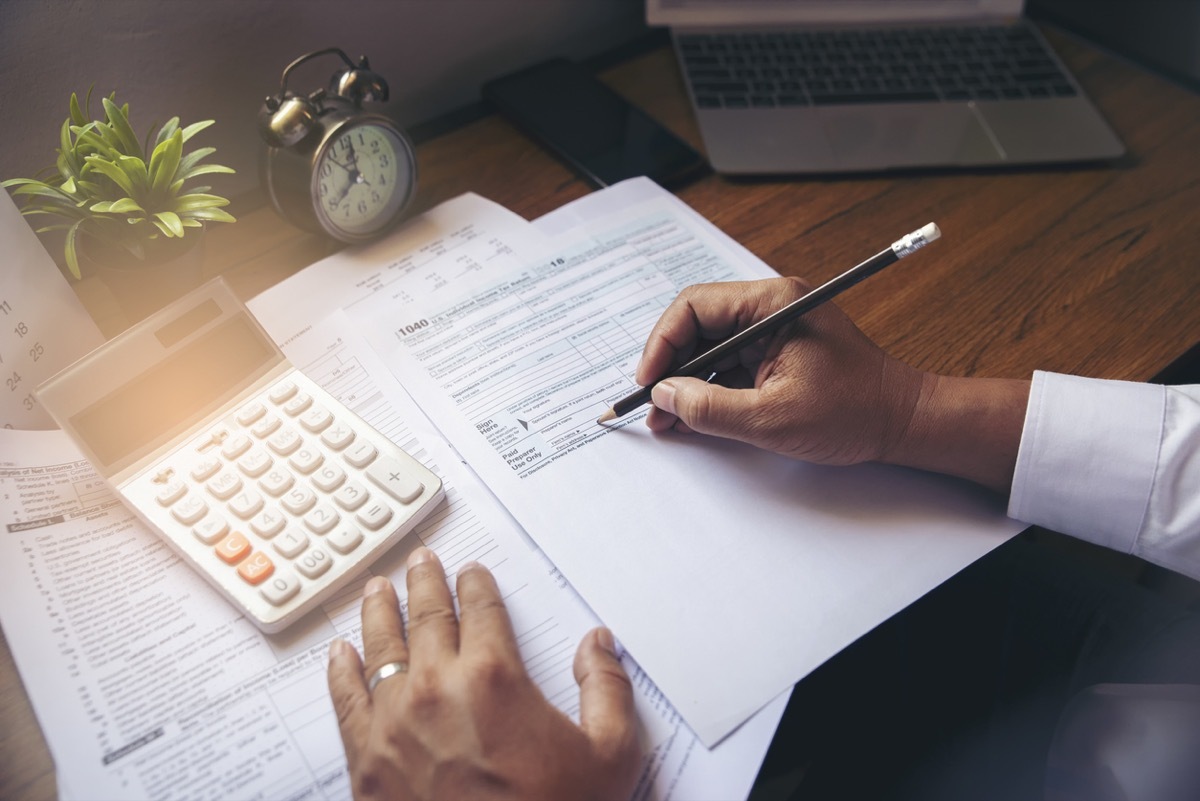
(1087, 458)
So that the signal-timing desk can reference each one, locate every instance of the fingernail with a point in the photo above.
(604, 638)
(663, 396)
(375, 585)
(338, 649)
(421, 554)
(471, 566)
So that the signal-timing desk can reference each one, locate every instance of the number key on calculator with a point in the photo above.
(268, 486)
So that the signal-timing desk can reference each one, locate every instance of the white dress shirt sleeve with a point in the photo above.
(1115, 463)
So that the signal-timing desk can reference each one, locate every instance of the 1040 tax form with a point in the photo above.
(727, 572)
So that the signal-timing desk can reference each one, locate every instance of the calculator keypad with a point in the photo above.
(283, 491)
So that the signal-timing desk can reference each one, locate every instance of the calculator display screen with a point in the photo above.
(165, 398)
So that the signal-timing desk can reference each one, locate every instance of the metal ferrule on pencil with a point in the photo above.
(909, 243)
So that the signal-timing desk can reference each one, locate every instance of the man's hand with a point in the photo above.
(820, 390)
(463, 719)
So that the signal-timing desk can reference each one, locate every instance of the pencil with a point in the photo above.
(702, 365)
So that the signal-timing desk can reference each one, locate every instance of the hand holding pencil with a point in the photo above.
(811, 386)
(766, 326)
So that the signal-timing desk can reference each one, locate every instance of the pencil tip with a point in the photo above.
(609, 415)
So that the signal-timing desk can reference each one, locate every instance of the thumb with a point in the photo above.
(606, 712)
(703, 407)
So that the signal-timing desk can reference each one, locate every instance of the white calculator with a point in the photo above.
(265, 484)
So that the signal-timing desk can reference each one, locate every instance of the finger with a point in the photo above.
(659, 419)
(662, 415)
(432, 623)
(712, 312)
(351, 701)
(670, 341)
(706, 408)
(708, 311)
(483, 619)
(383, 628)
(606, 712)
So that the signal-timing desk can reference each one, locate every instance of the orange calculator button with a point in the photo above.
(257, 568)
(233, 548)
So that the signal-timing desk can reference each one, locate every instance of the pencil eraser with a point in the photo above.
(930, 232)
